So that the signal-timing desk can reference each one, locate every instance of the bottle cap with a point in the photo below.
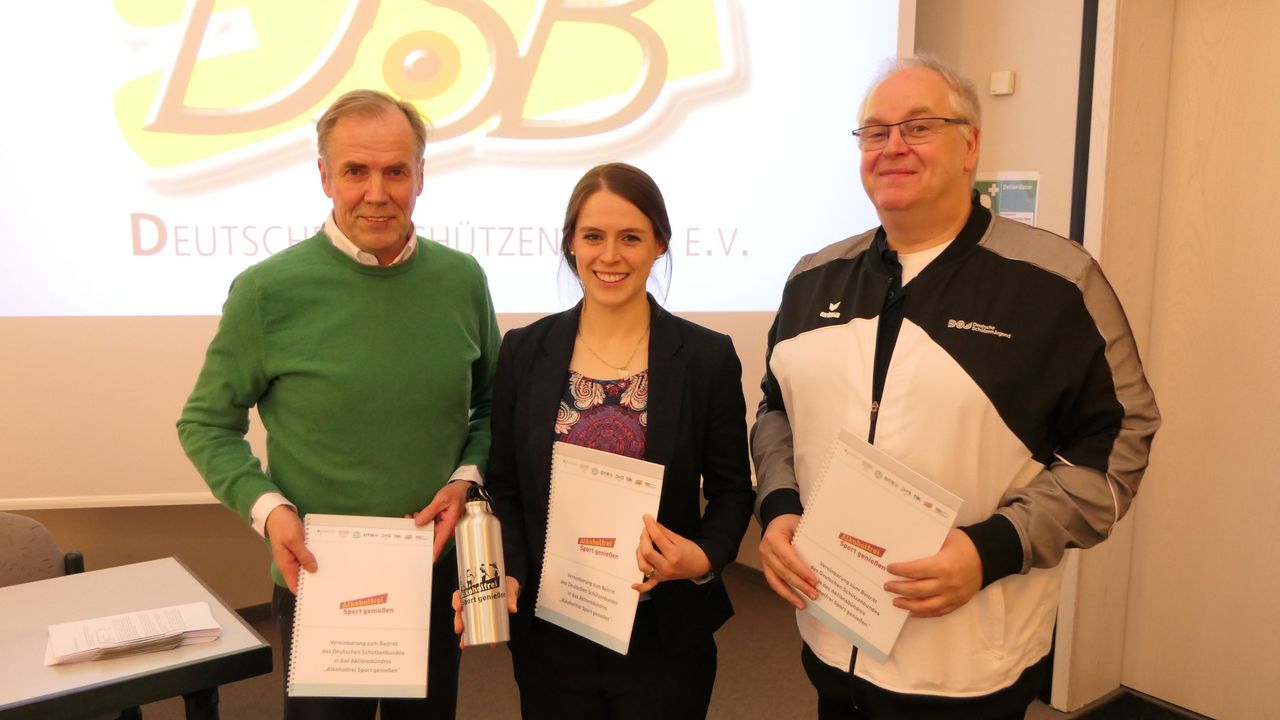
(476, 493)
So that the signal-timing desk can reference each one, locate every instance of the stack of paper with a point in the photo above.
(131, 633)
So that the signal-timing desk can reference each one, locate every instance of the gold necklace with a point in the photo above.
(624, 370)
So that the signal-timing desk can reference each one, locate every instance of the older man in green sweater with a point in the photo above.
(369, 353)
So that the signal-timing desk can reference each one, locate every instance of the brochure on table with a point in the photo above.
(130, 633)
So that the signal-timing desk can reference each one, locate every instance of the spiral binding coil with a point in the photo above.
(297, 612)
(551, 510)
(823, 471)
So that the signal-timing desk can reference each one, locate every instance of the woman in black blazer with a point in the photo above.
(619, 373)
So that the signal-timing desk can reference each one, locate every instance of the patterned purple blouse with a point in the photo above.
(608, 415)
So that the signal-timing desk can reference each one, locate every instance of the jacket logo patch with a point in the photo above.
(830, 312)
(978, 328)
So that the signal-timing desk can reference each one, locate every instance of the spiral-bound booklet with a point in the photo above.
(596, 514)
(866, 511)
(362, 623)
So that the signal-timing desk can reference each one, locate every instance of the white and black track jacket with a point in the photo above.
(1012, 380)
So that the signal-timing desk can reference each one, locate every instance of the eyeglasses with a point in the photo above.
(915, 131)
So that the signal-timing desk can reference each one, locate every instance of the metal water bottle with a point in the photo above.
(482, 578)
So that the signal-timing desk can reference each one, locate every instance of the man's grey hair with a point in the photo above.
(964, 96)
(368, 103)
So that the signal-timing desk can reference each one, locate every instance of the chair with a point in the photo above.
(27, 552)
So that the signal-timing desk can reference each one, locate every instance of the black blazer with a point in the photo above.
(696, 428)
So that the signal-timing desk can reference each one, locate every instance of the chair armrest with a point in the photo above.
(73, 562)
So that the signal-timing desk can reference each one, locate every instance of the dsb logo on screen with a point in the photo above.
(251, 77)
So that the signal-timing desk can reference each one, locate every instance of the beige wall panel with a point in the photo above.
(1135, 156)
(221, 550)
(93, 401)
(1202, 630)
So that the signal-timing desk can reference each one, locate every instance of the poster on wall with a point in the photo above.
(1010, 194)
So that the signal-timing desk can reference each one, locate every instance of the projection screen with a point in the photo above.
(157, 148)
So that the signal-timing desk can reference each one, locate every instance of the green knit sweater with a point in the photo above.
(373, 383)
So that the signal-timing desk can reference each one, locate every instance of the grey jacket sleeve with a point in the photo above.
(777, 491)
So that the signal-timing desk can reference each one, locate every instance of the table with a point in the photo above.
(29, 689)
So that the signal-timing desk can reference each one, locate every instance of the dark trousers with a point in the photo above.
(442, 662)
(562, 675)
(844, 696)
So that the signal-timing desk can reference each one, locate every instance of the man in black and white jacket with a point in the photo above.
(991, 357)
